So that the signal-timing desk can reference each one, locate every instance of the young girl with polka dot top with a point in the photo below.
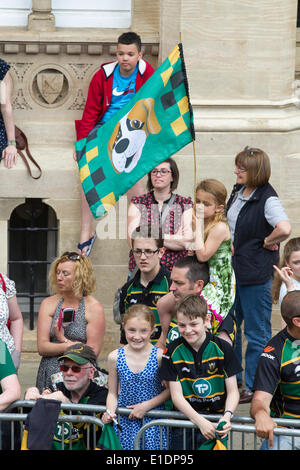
(134, 380)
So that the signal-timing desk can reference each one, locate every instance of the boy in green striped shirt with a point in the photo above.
(201, 370)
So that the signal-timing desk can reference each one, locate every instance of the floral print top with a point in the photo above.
(149, 209)
(4, 312)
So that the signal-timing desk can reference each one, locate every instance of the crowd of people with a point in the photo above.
(202, 274)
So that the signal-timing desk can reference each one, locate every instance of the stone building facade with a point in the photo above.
(243, 66)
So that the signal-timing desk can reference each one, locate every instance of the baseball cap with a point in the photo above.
(79, 353)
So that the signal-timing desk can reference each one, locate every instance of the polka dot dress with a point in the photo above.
(136, 388)
(4, 67)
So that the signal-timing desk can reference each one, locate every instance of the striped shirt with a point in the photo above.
(201, 373)
(133, 292)
(278, 373)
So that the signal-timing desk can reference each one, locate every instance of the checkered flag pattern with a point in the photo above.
(167, 88)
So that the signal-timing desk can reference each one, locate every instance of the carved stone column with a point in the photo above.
(41, 18)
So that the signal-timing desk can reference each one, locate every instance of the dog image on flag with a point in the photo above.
(126, 143)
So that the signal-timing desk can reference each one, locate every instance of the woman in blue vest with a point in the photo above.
(258, 223)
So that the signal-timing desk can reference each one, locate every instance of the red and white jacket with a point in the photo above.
(99, 94)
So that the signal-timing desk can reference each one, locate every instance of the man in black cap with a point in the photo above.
(78, 367)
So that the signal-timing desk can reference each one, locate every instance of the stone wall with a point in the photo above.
(241, 60)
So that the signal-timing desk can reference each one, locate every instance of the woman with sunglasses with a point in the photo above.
(258, 223)
(72, 281)
(164, 210)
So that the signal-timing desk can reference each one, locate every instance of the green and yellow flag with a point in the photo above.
(155, 124)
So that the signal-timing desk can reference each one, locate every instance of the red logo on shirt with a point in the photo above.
(269, 349)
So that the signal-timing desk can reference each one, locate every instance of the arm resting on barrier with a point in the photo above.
(206, 427)
(260, 411)
(113, 384)
(11, 391)
(231, 404)
(33, 393)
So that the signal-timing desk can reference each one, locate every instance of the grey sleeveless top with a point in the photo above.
(75, 331)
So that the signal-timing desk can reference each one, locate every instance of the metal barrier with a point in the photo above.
(242, 435)
(71, 419)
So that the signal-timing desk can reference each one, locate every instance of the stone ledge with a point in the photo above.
(251, 117)
(59, 178)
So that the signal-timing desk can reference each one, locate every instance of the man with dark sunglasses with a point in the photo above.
(78, 367)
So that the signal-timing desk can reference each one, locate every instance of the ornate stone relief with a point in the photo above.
(19, 101)
(79, 102)
(81, 70)
(50, 86)
(56, 75)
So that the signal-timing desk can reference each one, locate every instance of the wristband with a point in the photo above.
(228, 411)
(12, 142)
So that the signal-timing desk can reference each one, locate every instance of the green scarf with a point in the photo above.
(108, 440)
(217, 443)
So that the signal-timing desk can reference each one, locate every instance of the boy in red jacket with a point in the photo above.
(110, 89)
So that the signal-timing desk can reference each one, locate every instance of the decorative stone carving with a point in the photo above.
(80, 70)
(20, 69)
(50, 87)
(79, 102)
(20, 102)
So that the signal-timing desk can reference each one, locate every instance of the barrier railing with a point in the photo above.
(235, 442)
(70, 419)
(242, 435)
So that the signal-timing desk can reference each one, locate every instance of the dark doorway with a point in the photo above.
(33, 230)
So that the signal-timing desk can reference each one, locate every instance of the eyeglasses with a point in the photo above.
(147, 253)
(240, 170)
(71, 255)
(162, 172)
(75, 369)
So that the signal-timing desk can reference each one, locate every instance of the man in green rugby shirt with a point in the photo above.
(276, 386)
(78, 368)
(201, 370)
(189, 276)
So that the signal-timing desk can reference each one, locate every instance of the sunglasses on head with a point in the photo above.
(251, 151)
(75, 369)
(71, 255)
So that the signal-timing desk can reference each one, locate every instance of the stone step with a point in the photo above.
(59, 175)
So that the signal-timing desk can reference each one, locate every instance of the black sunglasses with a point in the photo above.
(71, 255)
(250, 151)
(75, 369)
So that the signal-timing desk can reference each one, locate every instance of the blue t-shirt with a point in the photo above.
(122, 92)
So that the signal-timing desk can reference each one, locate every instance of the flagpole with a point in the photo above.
(195, 174)
(194, 151)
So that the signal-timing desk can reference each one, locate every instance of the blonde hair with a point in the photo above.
(219, 193)
(292, 245)
(84, 282)
(139, 310)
